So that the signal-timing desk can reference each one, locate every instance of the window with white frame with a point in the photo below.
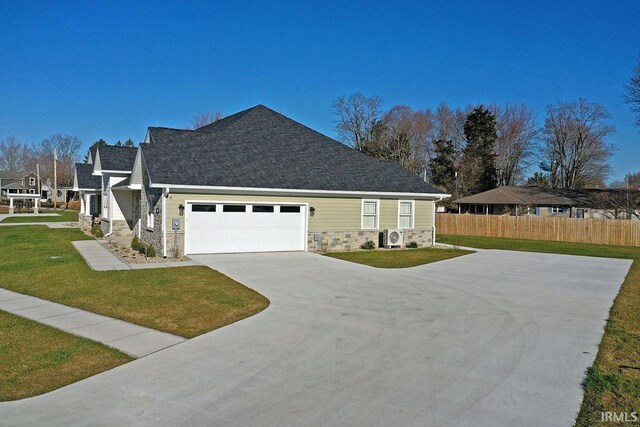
(556, 209)
(370, 211)
(405, 213)
(32, 181)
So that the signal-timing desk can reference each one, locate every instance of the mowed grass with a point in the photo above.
(613, 382)
(65, 216)
(35, 358)
(399, 258)
(185, 301)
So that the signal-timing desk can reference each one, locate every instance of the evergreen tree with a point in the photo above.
(538, 179)
(129, 143)
(478, 161)
(442, 167)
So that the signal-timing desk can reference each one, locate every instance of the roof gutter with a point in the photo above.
(438, 196)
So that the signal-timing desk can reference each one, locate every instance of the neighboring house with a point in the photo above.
(102, 186)
(90, 188)
(540, 201)
(27, 184)
(7, 178)
(252, 182)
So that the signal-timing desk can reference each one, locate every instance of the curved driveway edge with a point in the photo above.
(492, 338)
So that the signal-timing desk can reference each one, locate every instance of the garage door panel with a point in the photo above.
(226, 232)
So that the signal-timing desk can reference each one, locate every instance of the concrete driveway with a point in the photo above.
(494, 338)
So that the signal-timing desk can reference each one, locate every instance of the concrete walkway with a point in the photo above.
(135, 340)
(3, 216)
(100, 258)
(48, 224)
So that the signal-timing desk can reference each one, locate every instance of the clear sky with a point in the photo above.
(110, 69)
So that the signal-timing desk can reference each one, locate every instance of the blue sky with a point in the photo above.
(110, 69)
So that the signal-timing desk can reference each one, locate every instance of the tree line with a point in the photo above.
(472, 149)
(18, 158)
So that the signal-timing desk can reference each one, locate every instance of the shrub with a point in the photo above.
(368, 245)
(96, 230)
(151, 251)
(135, 244)
(412, 244)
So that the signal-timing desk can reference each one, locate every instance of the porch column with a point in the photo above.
(81, 203)
(10, 205)
(36, 202)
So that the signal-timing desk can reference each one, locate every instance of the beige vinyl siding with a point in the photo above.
(388, 213)
(424, 215)
(331, 213)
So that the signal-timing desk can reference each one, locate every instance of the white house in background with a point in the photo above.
(103, 184)
(89, 188)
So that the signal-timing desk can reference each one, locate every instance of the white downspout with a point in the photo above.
(110, 211)
(165, 194)
(433, 221)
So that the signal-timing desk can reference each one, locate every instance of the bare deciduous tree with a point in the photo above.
(203, 119)
(632, 94)
(402, 135)
(574, 144)
(14, 155)
(358, 117)
(67, 149)
(515, 145)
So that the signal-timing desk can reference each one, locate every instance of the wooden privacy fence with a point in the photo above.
(597, 231)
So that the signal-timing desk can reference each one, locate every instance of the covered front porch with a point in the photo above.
(20, 201)
(123, 211)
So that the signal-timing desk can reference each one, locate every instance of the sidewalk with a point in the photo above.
(48, 224)
(3, 216)
(135, 340)
(100, 258)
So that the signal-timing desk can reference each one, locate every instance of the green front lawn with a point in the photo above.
(398, 258)
(185, 301)
(35, 358)
(613, 382)
(64, 216)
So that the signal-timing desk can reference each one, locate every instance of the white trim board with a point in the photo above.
(283, 191)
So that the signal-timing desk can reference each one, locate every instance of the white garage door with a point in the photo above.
(238, 227)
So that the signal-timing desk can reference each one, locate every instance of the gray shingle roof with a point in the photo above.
(10, 175)
(13, 185)
(514, 195)
(86, 180)
(117, 158)
(261, 148)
